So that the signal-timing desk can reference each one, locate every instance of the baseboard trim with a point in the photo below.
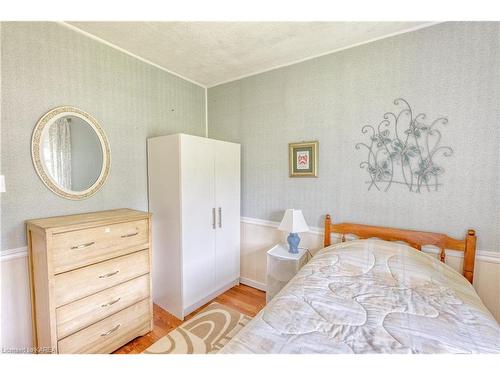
(486, 256)
(253, 283)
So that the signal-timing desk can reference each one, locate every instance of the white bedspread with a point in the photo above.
(372, 296)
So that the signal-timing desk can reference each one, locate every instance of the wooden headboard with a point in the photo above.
(414, 238)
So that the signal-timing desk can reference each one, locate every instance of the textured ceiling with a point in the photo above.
(210, 53)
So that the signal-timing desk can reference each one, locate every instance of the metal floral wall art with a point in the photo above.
(404, 149)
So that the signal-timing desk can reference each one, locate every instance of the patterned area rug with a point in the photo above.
(206, 332)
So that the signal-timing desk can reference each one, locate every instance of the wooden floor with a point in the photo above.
(242, 298)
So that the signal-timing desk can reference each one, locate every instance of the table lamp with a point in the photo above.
(293, 222)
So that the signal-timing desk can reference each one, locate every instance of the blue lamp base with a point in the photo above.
(293, 243)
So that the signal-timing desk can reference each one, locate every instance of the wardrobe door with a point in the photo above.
(198, 218)
(227, 193)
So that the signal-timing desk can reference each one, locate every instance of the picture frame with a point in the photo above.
(303, 159)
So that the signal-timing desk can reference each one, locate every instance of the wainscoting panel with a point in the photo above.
(15, 315)
(258, 236)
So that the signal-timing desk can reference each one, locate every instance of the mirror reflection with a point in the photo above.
(71, 153)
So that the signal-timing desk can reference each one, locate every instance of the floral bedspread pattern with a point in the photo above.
(372, 296)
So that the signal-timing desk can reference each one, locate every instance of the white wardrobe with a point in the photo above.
(194, 195)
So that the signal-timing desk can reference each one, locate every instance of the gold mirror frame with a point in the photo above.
(43, 124)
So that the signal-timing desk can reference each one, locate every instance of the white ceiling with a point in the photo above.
(210, 53)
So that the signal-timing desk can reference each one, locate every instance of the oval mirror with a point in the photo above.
(70, 152)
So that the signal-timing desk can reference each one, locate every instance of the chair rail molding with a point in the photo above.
(488, 256)
(11, 254)
(260, 235)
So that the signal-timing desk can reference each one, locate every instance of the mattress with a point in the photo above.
(372, 296)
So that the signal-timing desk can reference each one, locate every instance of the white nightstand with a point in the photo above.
(281, 267)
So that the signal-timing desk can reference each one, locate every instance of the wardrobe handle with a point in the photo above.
(213, 218)
(82, 246)
(111, 330)
(220, 217)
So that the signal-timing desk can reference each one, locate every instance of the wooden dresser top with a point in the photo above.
(89, 219)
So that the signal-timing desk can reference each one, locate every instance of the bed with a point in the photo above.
(376, 295)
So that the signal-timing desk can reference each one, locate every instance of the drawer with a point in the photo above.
(110, 333)
(73, 285)
(80, 248)
(86, 311)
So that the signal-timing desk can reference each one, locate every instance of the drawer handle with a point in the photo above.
(130, 235)
(108, 275)
(111, 303)
(111, 330)
(83, 245)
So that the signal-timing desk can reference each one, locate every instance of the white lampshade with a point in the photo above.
(2, 184)
(293, 222)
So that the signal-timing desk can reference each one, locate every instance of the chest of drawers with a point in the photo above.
(90, 277)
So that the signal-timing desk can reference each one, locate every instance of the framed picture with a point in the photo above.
(303, 159)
